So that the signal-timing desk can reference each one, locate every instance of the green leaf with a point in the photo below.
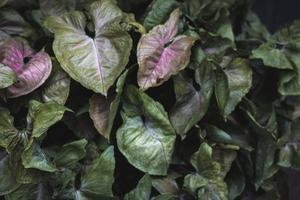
(213, 13)
(289, 155)
(289, 83)
(34, 157)
(208, 182)
(235, 181)
(70, 154)
(9, 135)
(98, 177)
(159, 12)
(42, 116)
(7, 76)
(191, 104)
(13, 23)
(7, 181)
(264, 124)
(142, 190)
(271, 56)
(100, 59)
(146, 137)
(57, 87)
(218, 135)
(232, 84)
(165, 197)
(30, 192)
(103, 110)
(254, 28)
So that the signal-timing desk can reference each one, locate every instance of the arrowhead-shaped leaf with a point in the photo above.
(191, 104)
(208, 182)
(97, 61)
(146, 137)
(232, 84)
(161, 53)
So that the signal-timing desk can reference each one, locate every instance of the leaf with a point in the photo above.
(235, 181)
(271, 56)
(34, 157)
(254, 28)
(99, 60)
(56, 7)
(142, 190)
(218, 135)
(289, 155)
(264, 125)
(210, 15)
(207, 183)
(191, 103)
(239, 79)
(12, 23)
(70, 154)
(103, 110)
(99, 176)
(57, 87)
(165, 185)
(3, 3)
(165, 197)
(146, 137)
(30, 192)
(161, 53)
(42, 116)
(9, 135)
(289, 83)
(7, 76)
(158, 12)
(7, 182)
(32, 69)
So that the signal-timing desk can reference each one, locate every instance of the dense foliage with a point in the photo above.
(140, 100)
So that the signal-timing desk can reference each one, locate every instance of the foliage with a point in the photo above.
(146, 100)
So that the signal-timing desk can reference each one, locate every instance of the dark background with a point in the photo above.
(276, 13)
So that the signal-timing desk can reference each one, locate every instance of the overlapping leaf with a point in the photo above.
(161, 53)
(94, 61)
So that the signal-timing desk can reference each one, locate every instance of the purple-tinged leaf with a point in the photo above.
(32, 69)
(103, 109)
(161, 53)
(96, 61)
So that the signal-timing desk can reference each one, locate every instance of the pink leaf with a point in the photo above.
(161, 53)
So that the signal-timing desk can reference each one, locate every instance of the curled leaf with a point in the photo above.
(32, 69)
(161, 53)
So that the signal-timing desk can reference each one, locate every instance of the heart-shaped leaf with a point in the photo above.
(146, 137)
(94, 61)
(161, 53)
